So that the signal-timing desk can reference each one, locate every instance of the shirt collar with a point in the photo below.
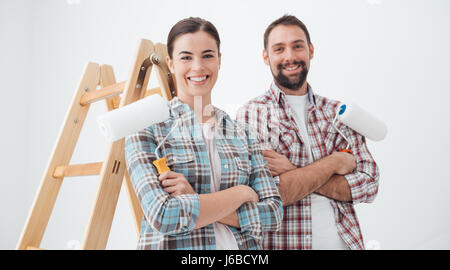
(179, 108)
(278, 94)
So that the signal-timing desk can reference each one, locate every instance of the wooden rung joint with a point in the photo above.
(102, 93)
(116, 102)
(78, 170)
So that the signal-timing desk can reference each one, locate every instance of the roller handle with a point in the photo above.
(161, 165)
(346, 150)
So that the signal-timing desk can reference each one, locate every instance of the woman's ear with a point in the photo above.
(220, 59)
(169, 63)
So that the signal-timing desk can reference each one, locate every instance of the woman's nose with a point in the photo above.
(197, 64)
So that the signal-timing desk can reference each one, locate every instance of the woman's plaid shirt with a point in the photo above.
(273, 119)
(169, 222)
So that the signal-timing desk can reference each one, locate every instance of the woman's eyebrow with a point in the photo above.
(205, 51)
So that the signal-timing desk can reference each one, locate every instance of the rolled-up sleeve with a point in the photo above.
(363, 181)
(165, 214)
(267, 214)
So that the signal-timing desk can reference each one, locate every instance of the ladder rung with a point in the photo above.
(156, 90)
(33, 248)
(78, 170)
(105, 92)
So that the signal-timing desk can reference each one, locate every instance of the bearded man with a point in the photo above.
(318, 184)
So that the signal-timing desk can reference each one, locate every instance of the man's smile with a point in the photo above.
(291, 67)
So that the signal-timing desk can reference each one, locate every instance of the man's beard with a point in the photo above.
(289, 82)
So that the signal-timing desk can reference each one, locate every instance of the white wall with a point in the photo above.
(391, 57)
(15, 67)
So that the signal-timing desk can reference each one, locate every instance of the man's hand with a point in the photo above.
(299, 183)
(175, 183)
(345, 162)
(277, 163)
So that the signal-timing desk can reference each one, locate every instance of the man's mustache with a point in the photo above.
(301, 63)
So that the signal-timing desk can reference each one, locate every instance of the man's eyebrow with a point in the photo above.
(185, 52)
(208, 51)
(277, 44)
(299, 40)
(295, 41)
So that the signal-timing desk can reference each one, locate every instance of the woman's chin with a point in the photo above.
(199, 91)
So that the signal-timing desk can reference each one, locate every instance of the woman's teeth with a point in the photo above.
(198, 79)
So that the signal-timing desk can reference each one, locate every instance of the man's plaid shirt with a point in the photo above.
(169, 222)
(273, 119)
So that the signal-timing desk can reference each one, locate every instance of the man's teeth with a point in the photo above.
(198, 79)
(291, 68)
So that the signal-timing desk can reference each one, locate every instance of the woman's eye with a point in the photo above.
(208, 56)
(186, 58)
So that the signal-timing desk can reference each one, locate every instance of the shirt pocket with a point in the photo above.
(182, 161)
(242, 170)
(289, 143)
(179, 157)
(234, 158)
(333, 140)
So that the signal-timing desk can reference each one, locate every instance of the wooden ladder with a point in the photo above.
(113, 169)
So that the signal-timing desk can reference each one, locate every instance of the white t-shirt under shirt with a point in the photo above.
(324, 230)
(224, 237)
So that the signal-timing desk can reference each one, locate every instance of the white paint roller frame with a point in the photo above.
(361, 121)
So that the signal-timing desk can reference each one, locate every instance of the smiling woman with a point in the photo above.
(219, 193)
(196, 69)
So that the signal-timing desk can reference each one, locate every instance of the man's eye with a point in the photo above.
(278, 49)
(208, 56)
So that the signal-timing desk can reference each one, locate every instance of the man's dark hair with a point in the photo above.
(285, 20)
(191, 25)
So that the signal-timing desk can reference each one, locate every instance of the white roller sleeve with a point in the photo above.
(363, 122)
(134, 117)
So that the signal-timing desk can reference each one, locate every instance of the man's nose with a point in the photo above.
(288, 56)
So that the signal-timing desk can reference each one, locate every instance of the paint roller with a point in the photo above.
(361, 121)
(129, 119)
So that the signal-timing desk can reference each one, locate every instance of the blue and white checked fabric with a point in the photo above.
(169, 222)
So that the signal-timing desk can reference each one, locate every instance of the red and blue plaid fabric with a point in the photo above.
(273, 120)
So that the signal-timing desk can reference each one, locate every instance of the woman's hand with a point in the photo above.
(250, 194)
(175, 183)
(277, 163)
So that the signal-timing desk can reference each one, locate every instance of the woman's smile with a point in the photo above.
(198, 79)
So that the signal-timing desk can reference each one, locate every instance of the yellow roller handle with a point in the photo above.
(161, 165)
